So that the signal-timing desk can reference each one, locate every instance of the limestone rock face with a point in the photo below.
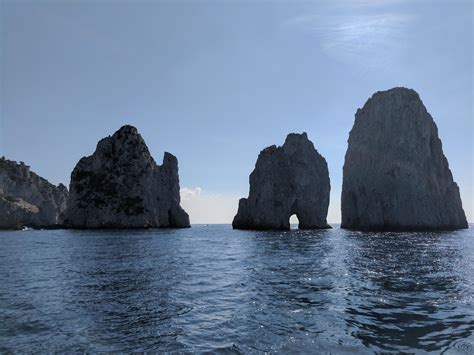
(28, 200)
(121, 186)
(287, 180)
(395, 174)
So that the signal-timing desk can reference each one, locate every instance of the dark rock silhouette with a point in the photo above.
(121, 186)
(28, 200)
(287, 180)
(395, 174)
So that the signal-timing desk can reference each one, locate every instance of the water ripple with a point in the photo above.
(213, 289)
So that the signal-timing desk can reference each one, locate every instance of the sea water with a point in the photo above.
(211, 288)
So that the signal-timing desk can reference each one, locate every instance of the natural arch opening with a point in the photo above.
(294, 222)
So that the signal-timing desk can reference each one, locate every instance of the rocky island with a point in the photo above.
(121, 186)
(287, 180)
(28, 200)
(395, 175)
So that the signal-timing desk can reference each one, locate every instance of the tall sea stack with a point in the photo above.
(28, 200)
(287, 180)
(121, 186)
(395, 174)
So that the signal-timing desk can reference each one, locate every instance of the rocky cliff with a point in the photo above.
(287, 180)
(395, 174)
(28, 200)
(121, 186)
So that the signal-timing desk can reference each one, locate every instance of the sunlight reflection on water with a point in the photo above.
(214, 288)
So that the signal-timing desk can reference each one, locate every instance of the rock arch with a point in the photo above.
(287, 180)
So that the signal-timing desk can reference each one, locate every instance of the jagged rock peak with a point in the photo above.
(395, 174)
(27, 199)
(287, 180)
(121, 186)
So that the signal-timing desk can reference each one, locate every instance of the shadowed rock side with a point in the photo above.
(287, 180)
(28, 200)
(121, 186)
(396, 176)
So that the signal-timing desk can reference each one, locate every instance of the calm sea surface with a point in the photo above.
(210, 288)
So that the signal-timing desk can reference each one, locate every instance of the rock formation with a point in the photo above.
(287, 180)
(121, 186)
(28, 200)
(395, 174)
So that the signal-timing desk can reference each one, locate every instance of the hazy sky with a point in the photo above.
(214, 82)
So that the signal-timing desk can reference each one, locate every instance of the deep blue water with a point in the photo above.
(212, 288)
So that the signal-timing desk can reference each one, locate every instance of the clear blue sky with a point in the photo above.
(214, 82)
